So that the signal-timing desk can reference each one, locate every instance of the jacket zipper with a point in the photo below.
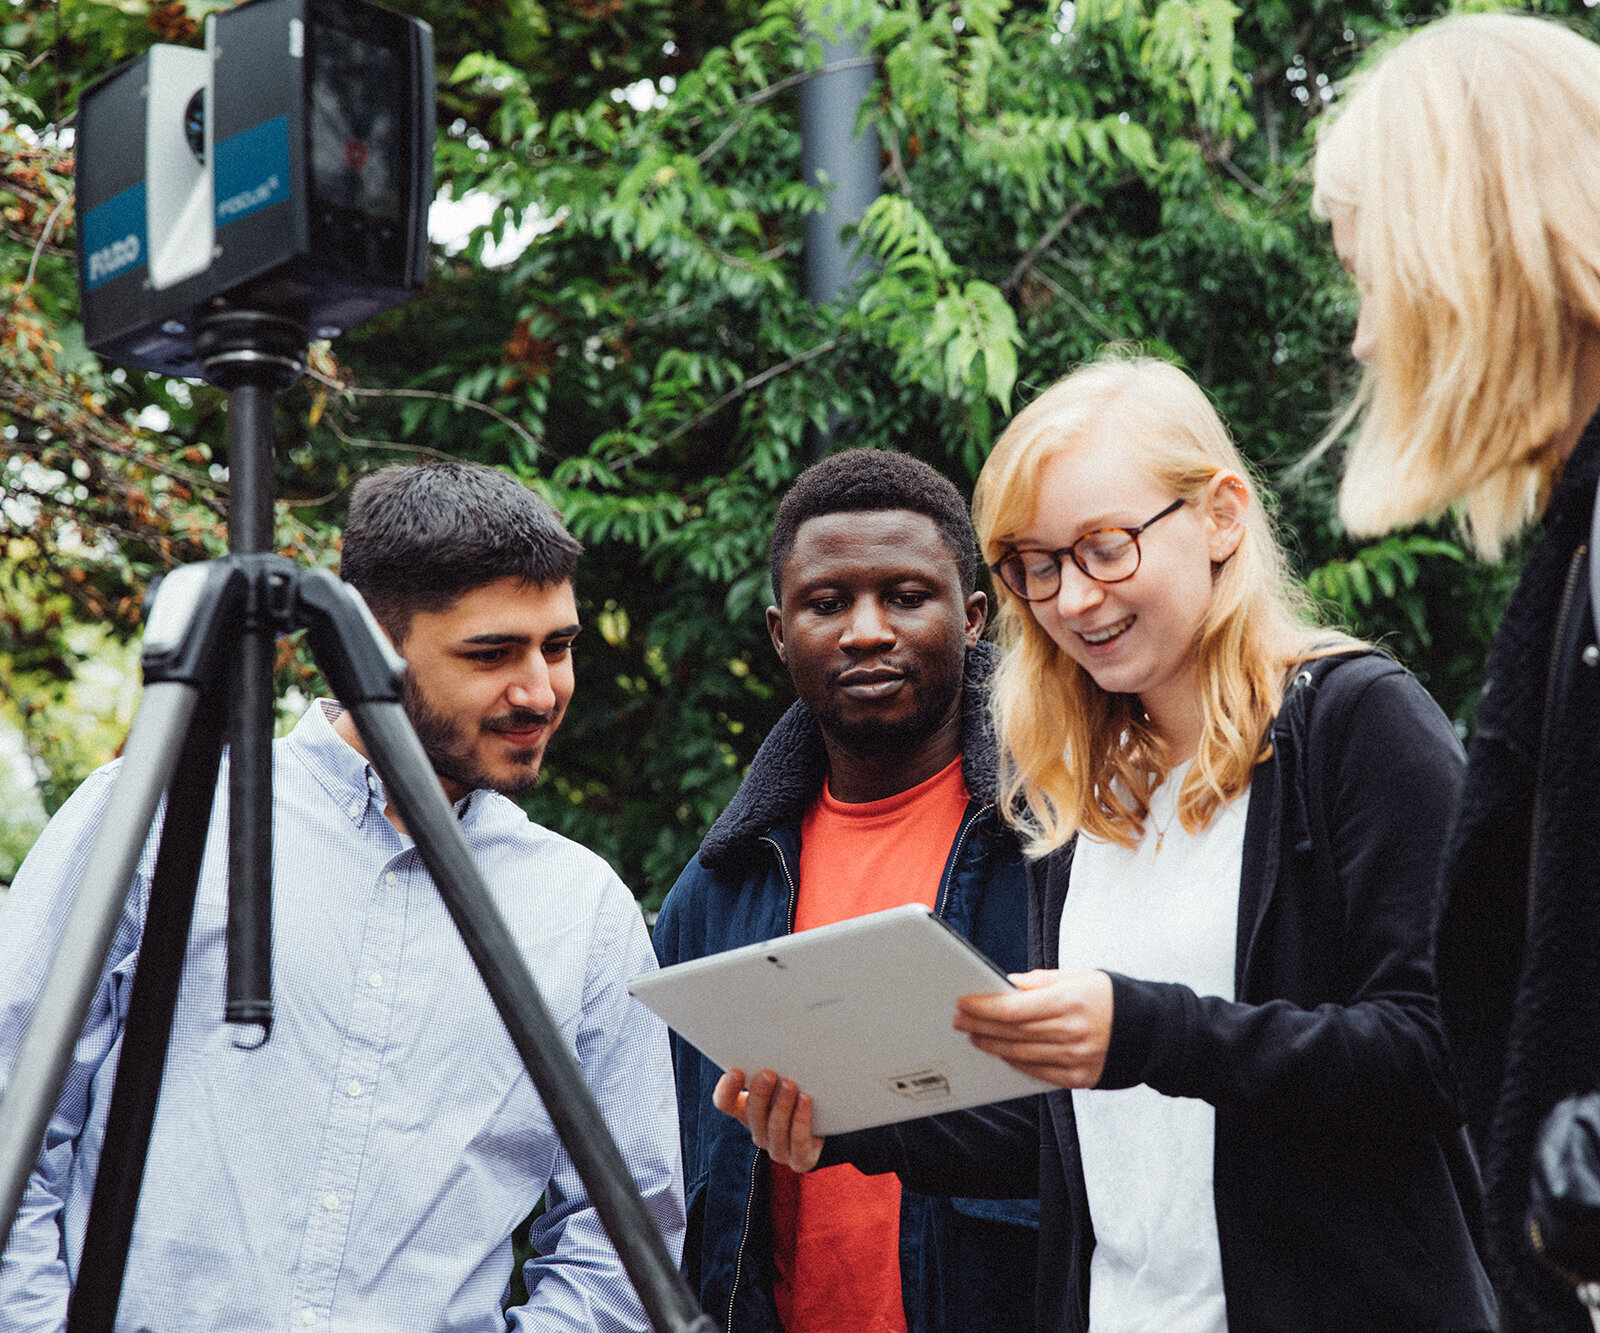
(1544, 726)
(942, 901)
(744, 1235)
(794, 895)
(790, 880)
(755, 1162)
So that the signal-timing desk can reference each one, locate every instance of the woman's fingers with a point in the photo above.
(1056, 1026)
(1038, 995)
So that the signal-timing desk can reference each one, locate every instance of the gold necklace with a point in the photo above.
(1161, 831)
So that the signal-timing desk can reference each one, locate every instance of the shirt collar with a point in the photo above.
(350, 781)
(344, 774)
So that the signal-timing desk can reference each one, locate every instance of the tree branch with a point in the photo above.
(1260, 191)
(764, 95)
(896, 169)
(356, 391)
(26, 238)
(357, 442)
(749, 386)
(1010, 285)
(87, 433)
(44, 239)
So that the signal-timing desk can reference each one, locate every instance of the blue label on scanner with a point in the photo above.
(113, 238)
(252, 170)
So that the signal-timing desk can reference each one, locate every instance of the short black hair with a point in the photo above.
(418, 537)
(867, 480)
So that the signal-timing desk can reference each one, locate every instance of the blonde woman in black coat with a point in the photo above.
(1462, 179)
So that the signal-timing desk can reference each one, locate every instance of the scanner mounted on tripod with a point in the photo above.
(276, 187)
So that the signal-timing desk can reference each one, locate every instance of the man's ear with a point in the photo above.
(775, 632)
(1227, 502)
(977, 617)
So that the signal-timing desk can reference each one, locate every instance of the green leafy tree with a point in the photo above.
(1056, 176)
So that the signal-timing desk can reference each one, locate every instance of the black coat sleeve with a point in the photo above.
(1360, 1044)
(989, 1152)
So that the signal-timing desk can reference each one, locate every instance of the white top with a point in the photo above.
(1167, 915)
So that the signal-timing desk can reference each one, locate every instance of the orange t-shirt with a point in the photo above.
(836, 1232)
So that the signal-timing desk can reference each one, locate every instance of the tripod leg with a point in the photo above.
(252, 390)
(148, 762)
(398, 756)
(145, 1037)
(250, 710)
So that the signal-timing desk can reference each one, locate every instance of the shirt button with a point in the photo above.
(308, 1317)
(375, 980)
(330, 1202)
(391, 879)
(1591, 655)
(353, 1088)
(356, 807)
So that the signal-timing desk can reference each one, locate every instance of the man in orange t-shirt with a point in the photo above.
(877, 788)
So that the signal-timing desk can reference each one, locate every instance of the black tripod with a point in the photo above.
(208, 665)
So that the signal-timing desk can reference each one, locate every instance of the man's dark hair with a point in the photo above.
(417, 538)
(866, 480)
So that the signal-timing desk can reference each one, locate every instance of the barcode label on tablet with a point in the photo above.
(920, 1085)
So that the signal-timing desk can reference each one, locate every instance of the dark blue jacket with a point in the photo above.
(966, 1264)
(1346, 1196)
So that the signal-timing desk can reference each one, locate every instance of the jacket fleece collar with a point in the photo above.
(788, 771)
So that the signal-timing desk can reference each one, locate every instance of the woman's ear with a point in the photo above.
(1227, 501)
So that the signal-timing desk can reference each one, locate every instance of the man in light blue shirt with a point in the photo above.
(364, 1170)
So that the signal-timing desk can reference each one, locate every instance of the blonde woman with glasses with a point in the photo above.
(1462, 179)
(1235, 821)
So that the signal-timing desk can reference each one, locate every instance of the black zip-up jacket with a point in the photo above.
(1521, 1001)
(1346, 1195)
(966, 1264)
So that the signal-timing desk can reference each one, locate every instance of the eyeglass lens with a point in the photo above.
(1107, 556)
(1035, 576)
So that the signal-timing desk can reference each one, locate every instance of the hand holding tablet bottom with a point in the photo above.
(775, 1111)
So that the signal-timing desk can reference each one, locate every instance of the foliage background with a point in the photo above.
(1056, 176)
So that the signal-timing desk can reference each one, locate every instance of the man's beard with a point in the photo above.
(875, 739)
(452, 755)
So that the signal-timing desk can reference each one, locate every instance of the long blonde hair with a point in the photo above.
(1470, 154)
(1074, 756)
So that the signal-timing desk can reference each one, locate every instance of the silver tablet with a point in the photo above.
(857, 1013)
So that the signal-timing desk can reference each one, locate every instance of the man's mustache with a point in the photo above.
(519, 719)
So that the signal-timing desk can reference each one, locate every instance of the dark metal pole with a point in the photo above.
(255, 356)
(103, 1266)
(833, 153)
